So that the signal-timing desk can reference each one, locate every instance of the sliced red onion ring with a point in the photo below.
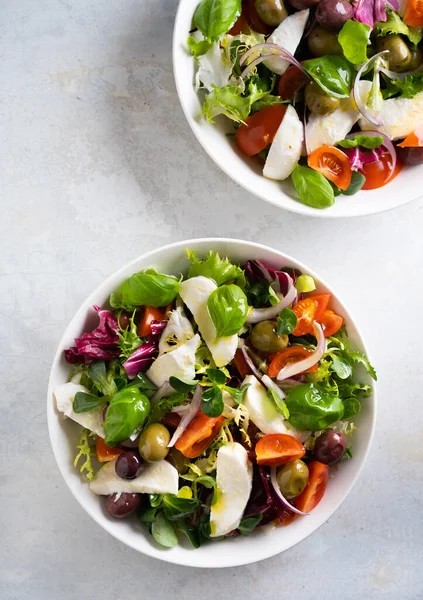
(193, 409)
(362, 107)
(249, 361)
(271, 385)
(287, 384)
(386, 144)
(263, 314)
(274, 51)
(165, 390)
(279, 494)
(310, 361)
(181, 409)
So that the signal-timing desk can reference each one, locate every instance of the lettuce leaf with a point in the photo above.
(226, 101)
(219, 269)
(354, 39)
(85, 451)
(394, 24)
(408, 87)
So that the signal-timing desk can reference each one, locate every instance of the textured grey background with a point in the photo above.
(97, 166)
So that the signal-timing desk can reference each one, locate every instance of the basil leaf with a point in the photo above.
(352, 407)
(228, 308)
(248, 524)
(215, 17)
(219, 269)
(145, 288)
(357, 182)
(216, 376)
(84, 402)
(179, 508)
(198, 48)
(212, 403)
(279, 403)
(163, 531)
(182, 385)
(370, 143)
(354, 39)
(237, 393)
(313, 408)
(287, 322)
(341, 367)
(127, 410)
(312, 188)
(334, 74)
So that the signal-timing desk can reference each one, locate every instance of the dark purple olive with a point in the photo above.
(128, 464)
(123, 504)
(332, 14)
(124, 318)
(330, 447)
(303, 4)
(410, 156)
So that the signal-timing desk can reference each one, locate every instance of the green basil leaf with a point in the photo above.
(219, 269)
(216, 376)
(198, 48)
(334, 74)
(190, 531)
(215, 17)
(84, 402)
(312, 188)
(312, 408)
(279, 403)
(163, 531)
(341, 367)
(228, 308)
(287, 322)
(178, 508)
(183, 385)
(248, 524)
(357, 182)
(354, 39)
(127, 410)
(145, 288)
(352, 407)
(370, 143)
(237, 393)
(212, 403)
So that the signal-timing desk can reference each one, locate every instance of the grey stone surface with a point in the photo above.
(97, 166)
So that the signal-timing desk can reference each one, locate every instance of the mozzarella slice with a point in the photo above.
(330, 129)
(177, 331)
(288, 35)
(177, 363)
(234, 480)
(263, 411)
(195, 293)
(285, 151)
(400, 116)
(156, 478)
(92, 420)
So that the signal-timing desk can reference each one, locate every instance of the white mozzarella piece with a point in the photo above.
(400, 116)
(234, 477)
(177, 363)
(332, 128)
(195, 293)
(156, 478)
(286, 148)
(178, 330)
(288, 35)
(92, 420)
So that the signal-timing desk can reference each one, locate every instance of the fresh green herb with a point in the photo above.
(354, 39)
(198, 48)
(261, 294)
(155, 500)
(347, 454)
(212, 403)
(365, 141)
(312, 188)
(394, 24)
(304, 284)
(352, 408)
(129, 339)
(127, 410)
(287, 322)
(163, 531)
(357, 182)
(215, 17)
(84, 451)
(145, 288)
(248, 524)
(141, 381)
(408, 87)
(228, 308)
(148, 515)
(184, 386)
(226, 100)
(103, 380)
(341, 366)
(279, 403)
(165, 405)
(219, 269)
(354, 355)
(334, 74)
(178, 508)
(84, 402)
(203, 360)
(190, 531)
(216, 376)
(311, 407)
(237, 393)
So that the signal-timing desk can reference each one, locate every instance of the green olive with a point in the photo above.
(416, 59)
(265, 338)
(271, 12)
(178, 460)
(292, 478)
(399, 55)
(322, 42)
(317, 101)
(153, 442)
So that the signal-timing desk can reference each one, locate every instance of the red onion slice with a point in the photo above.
(287, 384)
(263, 314)
(164, 390)
(362, 107)
(193, 409)
(271, 385)
(279, 494)
(386, 143)
(273, 51)
(310, 361)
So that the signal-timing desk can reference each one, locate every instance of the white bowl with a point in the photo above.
(232, 552)
(222, 149)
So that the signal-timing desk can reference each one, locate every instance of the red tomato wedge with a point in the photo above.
(240, 26)
(151, 313)
(414, 140)
(333, 164)
(308, 310)
(241, 364)
(331, 322)
(259, 129)
(413, 14)
(315, 488)
(199, 434)
(106, 453)
(379, 173)
(278, 449)
(291, 355)
(290, 82)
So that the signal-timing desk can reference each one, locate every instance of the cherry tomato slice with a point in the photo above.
(260, 129)
(290, 82)
(199, 434)
(315, 488)
(151, 313)
(379, 173)
(333, 164)
(331, 323)
(278, 449)
(413, 14)
(322, 304)
(414, 140)
(106, 453)
(241, 364)
(291, 355)
(308, 310)
(241, 25)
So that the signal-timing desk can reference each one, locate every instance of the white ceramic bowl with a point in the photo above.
(222, 149)
(232, 552)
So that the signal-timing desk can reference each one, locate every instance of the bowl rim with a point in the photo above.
(297, 207)
(81, 311)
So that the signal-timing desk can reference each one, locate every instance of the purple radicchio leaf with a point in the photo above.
(359, 157)
(143, 357)
(100, 344)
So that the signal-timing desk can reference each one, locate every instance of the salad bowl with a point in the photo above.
(217, 140)
(268, 540)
